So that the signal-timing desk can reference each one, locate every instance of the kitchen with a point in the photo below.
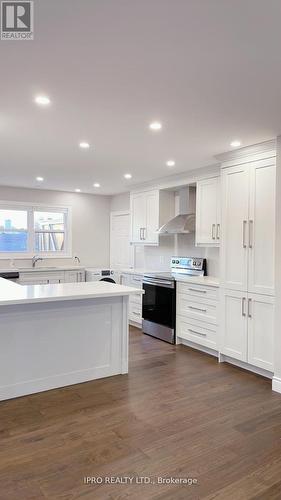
(140, 239)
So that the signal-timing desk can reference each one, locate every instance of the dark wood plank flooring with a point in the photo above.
(177, 414)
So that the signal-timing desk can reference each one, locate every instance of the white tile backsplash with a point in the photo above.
(158, 258)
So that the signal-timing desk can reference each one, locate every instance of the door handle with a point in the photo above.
(251, 233)
(218, 231)
(244, 233)
(250, 308)
(213, 231)
(243, 306)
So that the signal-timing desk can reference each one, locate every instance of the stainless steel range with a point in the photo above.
(159, 300)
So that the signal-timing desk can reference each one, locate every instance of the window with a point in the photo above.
(13, 231)
(28, 230)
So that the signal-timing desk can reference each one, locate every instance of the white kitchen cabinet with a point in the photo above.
(197, 314)
(149, 211)
(234, 325)
(208, 224)
(74, 276)
(51, 277)
(247, 328)
(41, 278)
(235, 214)
(262, 228)
(248, 226)
(261, 331)
(135, 301)
(138, 216)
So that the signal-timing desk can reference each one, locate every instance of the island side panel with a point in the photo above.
(125, 337)
(48, 345)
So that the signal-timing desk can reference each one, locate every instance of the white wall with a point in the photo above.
(277, 340)
(120, 202)
(90, 223)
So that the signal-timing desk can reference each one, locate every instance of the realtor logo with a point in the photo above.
(16, 20)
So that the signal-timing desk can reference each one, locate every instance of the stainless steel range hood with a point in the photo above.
(184, 222)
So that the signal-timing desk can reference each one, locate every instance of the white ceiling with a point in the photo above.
(209, 70)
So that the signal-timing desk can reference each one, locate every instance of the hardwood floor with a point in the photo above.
(177, 414)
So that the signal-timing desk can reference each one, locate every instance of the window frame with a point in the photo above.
(30, 208)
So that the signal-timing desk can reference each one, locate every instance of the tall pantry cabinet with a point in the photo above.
(247, 259)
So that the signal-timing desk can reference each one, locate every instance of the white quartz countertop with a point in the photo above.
(199, 280)
(12, 293)
(40, 269)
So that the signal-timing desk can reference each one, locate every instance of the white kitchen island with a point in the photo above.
(57, 335)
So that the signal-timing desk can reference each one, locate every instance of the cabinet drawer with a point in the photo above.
(197, 332)
(135, 312)
(201, 291)
(136, 299)
(136, 281)
(194, 308)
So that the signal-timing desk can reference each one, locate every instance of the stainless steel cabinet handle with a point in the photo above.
(213, 231)
(144, 233)
(251, 231)
(249, 308)
(243, 306)
(195, 290)
(197, 309)
(197, 333)
(244, 233)
(140, 233)
(218, 231)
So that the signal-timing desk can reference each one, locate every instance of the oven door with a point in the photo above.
(159, 308)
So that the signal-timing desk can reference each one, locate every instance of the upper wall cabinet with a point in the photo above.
(149, 210)
(208, 212)
(248, 223)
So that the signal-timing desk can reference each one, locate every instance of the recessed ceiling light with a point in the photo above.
(155, 126)
(84, 145)
(96, 185)
(128, 176)
(77, 190)
(235, 144)
(40, 179)
(170, 163)
(42, 100)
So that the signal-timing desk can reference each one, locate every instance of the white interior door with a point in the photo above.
(261, 331)
(234, 324)
(262, 227)
(121, 251)
(234, 235)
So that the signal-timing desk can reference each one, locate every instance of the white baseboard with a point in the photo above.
(246, 366)
(198, 347)
(276, 384)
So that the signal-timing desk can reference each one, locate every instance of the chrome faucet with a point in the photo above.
(76, 258)
(35, 259)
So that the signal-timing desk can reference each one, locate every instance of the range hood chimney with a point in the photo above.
(184, 223)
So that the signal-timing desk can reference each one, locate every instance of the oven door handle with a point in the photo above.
(167, 284)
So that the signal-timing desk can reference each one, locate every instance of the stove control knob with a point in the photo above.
(177, 261)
